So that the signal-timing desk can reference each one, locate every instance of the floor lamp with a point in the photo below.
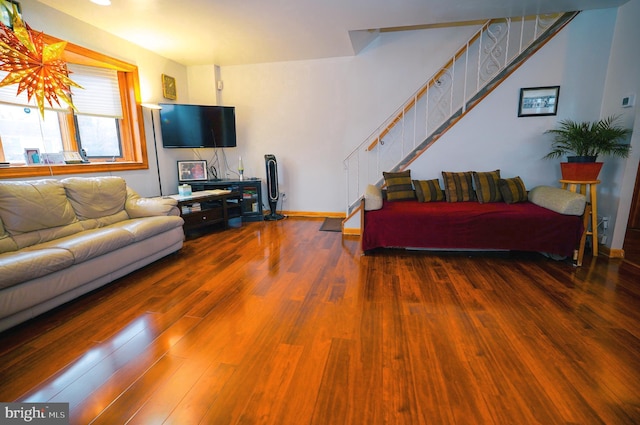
(153, 107)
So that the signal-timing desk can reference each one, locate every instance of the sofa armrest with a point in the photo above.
(137, 206)
(558, 200)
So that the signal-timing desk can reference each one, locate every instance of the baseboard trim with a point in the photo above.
(313, 214)
(613, 253)
(348, 231)
(351, 231)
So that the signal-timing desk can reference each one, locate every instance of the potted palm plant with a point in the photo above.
(583, 142)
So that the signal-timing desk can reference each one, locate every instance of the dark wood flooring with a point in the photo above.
(280, 323)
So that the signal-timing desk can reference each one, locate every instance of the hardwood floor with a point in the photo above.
(279, 323)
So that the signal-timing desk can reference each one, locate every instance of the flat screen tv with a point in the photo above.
(197, 126)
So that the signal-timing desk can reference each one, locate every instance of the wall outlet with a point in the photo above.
(605, 223)
(283, 195)
(603, 239)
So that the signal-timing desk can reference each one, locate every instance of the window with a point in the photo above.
(99, 136)
(99, 110)
(22, 128)
(108, 124)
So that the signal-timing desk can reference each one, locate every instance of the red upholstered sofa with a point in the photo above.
(523, 226)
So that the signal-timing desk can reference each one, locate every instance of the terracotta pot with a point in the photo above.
(580, 171)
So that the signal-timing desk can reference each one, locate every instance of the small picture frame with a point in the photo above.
(538, 101)
(194, 170)
(32, 156)
(72, 157)
(169, 87)
(51, 158)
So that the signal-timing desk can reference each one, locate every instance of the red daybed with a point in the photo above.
(472, 225)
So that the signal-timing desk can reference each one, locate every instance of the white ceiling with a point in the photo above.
(230, 32)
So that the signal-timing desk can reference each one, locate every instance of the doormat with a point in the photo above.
(331, 224)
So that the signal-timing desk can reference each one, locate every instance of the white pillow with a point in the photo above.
(372, 198)
(559, 200)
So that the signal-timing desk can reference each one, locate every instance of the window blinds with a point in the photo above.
(99, 95)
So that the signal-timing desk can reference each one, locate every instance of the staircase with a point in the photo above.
(478, 67)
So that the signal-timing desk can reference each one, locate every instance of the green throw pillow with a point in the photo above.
(487, 186)
(399, 186)
(512, 190)
(458, 187)
(428, 190)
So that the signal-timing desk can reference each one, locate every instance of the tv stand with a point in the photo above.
(207, 208)
(249, 200)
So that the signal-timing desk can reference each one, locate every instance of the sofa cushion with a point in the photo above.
(144, 228)
(372, 198)
(6, 242)
(44, 202)
(458, 186)
(24, 265)
(96, 197)
(512, 190)
(428, 190)
(559, 200)
(37, 237)
(399, 186)
(487, 186)
(90, 243)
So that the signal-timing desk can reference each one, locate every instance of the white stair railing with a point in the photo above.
(471, 73)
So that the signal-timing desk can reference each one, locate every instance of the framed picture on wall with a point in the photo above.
(190, 171)
(538, 101)
(169, 87)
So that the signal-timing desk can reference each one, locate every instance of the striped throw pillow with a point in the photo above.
(458, 187)
(428, 190)
(487, 186)
(512, 190)
(399, 186)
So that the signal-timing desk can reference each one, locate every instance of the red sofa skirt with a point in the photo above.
(471, 225)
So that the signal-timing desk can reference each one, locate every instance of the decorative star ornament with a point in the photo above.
(35, 66)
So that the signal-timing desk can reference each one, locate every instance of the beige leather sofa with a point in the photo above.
(60, 239)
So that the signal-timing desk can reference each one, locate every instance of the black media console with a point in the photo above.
(250, 191)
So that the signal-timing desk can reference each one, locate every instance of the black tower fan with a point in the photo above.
(273, 192)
